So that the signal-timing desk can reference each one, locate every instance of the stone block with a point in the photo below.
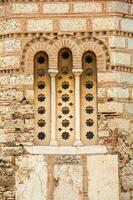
(125, 196)
(87, 7)
(9, 26)
(117, 7)
(103, 134)
(39, 25)
(119, 58)
(56, 7)
(132, 9)
(108, 77)
(117, 42)
(118, 92)
(130, 43)
(101, 92)
(69, 179)
(5, 138)
(31, 178)
(9, 61)
(127, 25)
(105, 23)
(20, 8)
(109, 107)
(11, 45)
(103, 180)
(129, 108)
(73, 24)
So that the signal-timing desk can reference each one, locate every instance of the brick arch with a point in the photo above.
(29, 51)
(65, 43)
(98, 48)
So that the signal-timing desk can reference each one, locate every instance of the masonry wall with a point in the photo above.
(24, 27)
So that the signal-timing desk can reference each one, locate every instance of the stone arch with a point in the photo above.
(29, 51)
(65, 43)
(98, 48)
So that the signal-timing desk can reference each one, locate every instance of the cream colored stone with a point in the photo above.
(118, 92)
(110, 107)
(73, 24)
(9, 26)
(101, 92)
(18, 8)
(117, 7)
(132, 9)
(106, 23)
(21, 80)
(5, 138)
(119, 58)
(11, 45)
(117, 42)
(70, 179)
(127, 25)
(129, 108)
(103, 133)
(9, 61)
(97, 149)
(130, 43)
(87, 7)
(103, 180)
(31, 178)
(56, 8)
(39, 25)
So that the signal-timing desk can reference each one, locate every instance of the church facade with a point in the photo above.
(66, 100)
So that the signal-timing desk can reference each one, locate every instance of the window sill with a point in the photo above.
(97, 149)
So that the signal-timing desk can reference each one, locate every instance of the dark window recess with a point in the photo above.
(41, 110)
(41, 72)
(41, 60)
(41, 85)
(89, 97)
(41, 136)
(88, 72)
(65, 85)
(65, 123)
(89, 135)
(89, 84)
(65, 135)
(65, 97)
(41, 122)
(88, 59)
(65, 55)
(41, 97)
(89, 109)
(89, 122)
(65, 110)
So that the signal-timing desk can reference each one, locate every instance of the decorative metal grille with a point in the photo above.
(65, 99)
(42, 99)
(88, 100)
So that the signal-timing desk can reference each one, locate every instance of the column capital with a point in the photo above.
(77, 72)
(53, 72)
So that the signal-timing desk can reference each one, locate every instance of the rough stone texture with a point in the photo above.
(31, 178)
(18, 8)
(56, 8)
(118, 58)
(9, 61)
(110, 23)
(130, 43)
(39, 25)
(72, 24)
(87, 7)
(11, 45)
(118, 92)
(127, 25)
(103, 172)
(117, 42)
(117, 7)
(9, 26)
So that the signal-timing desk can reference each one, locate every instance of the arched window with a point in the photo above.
(65, 99)
(42, 99)
(89, 99)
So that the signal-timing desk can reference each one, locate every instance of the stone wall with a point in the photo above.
(25, 170)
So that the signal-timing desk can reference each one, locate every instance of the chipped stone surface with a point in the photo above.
(87, 7)
(103, 177)
(127, 25)
(117, 42)
(56, 8)
(118, 58)
(31, 178)
(9, 61)
(117, 7)
(69, 179)
(72, 24)
(110, 107)
(11, 45)
(118, 92)
(19, 8)
(39, 25)
(130, 43)
(9, 26)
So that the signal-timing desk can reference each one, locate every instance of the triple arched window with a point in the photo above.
(75, 100)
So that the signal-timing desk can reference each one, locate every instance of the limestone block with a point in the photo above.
(56, 8)
(108, 77)
(21, 80)
(29, 94)
(126, 78)
(130, 43)
(103, 133)
(18, 8)
(117, 7)
(9, 61)
(5, 138)
(31, 178)
(127, 25)
(101, 92)
(69, 179)
(117, 42)
(132, 9)
(103, 180)
(12, 151)
(39, 25)
(125, 196)
(11, 45)
(73, 24)
(9, 26)
(110, 107)
(121, 123)
(105, 23)
(118, 92)
(119, 58)
(129, 108)
(87, 7)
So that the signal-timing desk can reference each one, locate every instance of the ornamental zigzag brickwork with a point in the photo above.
(66, 100)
